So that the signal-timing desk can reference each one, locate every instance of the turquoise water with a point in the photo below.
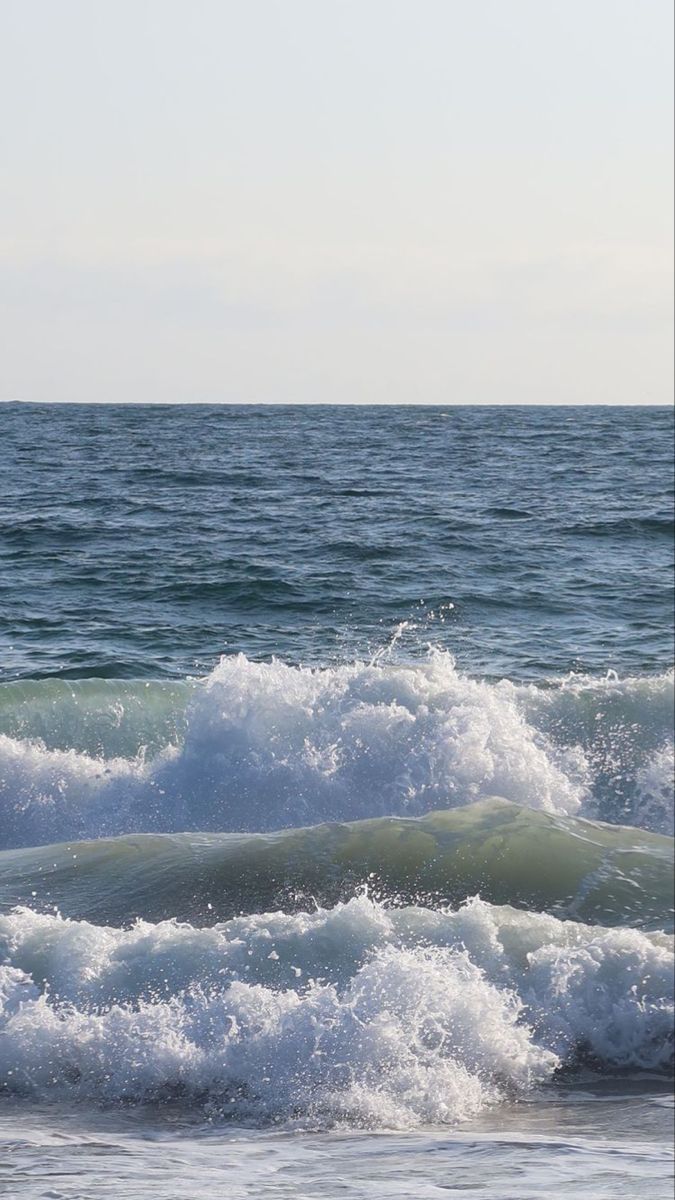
(336, 801)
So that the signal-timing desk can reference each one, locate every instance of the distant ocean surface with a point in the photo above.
(336, 802)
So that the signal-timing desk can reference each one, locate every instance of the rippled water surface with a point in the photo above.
(147, 540)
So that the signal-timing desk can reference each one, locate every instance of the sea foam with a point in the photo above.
(260, 746)
(359, 1014)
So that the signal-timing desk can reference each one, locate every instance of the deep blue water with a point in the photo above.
(147, 540)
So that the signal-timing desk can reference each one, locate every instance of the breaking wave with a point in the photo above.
(262, 746)
(356, 1015)
(307, 954)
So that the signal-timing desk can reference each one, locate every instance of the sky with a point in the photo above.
(336, 201)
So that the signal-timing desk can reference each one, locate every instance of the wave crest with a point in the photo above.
(260, 746)
(358, 1014)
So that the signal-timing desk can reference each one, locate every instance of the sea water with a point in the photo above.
(336, 801)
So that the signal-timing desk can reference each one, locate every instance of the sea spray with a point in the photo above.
(262, 746)
(360, 1013)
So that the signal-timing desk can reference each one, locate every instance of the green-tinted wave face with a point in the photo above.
(596, 873)
(106, 718)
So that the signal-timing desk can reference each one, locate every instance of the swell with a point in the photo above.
(265, 746)
(566, 866)
(641, 526)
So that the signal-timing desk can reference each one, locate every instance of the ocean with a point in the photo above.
(336, 802)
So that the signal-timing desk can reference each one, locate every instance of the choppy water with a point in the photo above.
(336, 809)
(146, 541)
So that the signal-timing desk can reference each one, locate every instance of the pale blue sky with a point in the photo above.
(441, 201)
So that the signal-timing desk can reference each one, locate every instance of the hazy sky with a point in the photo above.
(441, 201)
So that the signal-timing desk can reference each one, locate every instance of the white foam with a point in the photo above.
(267, 746)
(655, 787)
(624, 730)
(356, 1015)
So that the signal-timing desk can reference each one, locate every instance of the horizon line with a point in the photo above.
(338, 403)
